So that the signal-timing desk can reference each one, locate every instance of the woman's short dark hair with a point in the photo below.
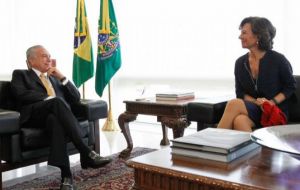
(263, 29)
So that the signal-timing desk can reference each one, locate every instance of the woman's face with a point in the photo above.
(248, 39)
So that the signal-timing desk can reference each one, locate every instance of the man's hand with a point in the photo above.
(53, 71)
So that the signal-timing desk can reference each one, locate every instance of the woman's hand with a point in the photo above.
(260, 101)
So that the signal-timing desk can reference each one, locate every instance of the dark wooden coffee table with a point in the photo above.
(266, 169)
(171, 114)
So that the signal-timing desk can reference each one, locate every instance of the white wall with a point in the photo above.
(199, 38)
(189, 40)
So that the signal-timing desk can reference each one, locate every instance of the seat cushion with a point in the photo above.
(32, 138)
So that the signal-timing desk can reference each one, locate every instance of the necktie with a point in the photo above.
(47, 85)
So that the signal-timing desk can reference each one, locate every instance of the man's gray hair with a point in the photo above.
(31, 51)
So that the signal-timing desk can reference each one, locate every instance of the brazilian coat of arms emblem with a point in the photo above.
(108, 42)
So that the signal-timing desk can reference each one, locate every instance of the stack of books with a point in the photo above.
(216, 144)
(175, 96)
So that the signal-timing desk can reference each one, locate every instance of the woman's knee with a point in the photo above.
(236, 104)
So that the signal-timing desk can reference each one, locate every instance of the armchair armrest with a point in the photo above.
(206, 112)
(9, 122)
(90, 109)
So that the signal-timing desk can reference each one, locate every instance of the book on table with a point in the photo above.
(174, 98)
(221, 157)
(175, 95)
(214, 140)
(187, 160)
(222, 145)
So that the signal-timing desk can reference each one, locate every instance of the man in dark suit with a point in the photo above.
(45, 102)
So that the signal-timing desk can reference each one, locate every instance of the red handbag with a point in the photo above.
(272, 115)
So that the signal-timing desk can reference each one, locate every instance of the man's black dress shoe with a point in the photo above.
(93, 160)
(67, 184)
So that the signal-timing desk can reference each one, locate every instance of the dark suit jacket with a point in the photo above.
(29, 90)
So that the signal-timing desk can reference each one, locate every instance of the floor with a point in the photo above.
(144, 134)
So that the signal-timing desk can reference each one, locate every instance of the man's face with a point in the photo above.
(40, 60)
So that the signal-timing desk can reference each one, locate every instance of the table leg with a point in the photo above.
(165, 140)
(176, 124)
(123, 121)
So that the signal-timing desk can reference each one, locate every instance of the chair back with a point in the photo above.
(294, 104)
(7, 100)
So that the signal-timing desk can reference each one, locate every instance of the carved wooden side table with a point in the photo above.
(171, 114)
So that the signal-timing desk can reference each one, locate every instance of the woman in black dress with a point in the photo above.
(260, 75)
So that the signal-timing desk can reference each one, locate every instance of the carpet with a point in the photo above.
(114, 176)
